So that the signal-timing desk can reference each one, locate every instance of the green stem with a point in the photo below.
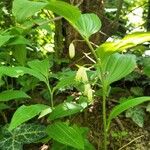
(104, 88)
(91, 48)
(104, 118)
(51, 95)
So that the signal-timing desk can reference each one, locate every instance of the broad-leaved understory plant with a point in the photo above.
(112, 63)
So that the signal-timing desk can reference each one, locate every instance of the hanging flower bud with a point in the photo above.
(88, 92)
(81, 74)
(71, 50)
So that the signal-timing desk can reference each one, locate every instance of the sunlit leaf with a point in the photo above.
(23, 9)
(69, 12)
(88, 24)
(127, 42)
(117, 66)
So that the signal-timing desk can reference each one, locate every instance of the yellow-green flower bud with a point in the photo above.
(71, 50)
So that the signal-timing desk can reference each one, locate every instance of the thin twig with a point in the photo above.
(131, 142)
(87, 56)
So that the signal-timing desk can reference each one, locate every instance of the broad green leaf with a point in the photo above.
(69, 12)
(87, 144)
(88, 24)
(127, 42)
(40, 66)
(11, 71)
(24, 134)
(65, 134)
(137, 114)
(20, 54)
(32, 72)
(4, 39)
(25, 113)
(125, 105)
(65, 109)
(117, 66)
(19, 40)
(12, 94)
(133, 39)
(23, 9)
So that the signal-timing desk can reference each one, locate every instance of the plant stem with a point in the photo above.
(91, 48)
(104, 91)
(104, 119)
(51, 95)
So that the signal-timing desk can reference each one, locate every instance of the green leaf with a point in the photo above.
(63, 133)
(19, 40)
(20, 54)
(127, 42)
(25, 113)
(137, 114)
(23, 9)
(88, 24)
(24, 134)
(32, 72)
(69, 12)
(133, 39)
(117, 66)
(87, 144)
(11, 95)
(65, 109)
(65, 81)
(117, 110)
(45, 112)
(11, 71)
(40, 66)
(4, 39)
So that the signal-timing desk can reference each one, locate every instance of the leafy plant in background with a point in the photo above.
(110, 66)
